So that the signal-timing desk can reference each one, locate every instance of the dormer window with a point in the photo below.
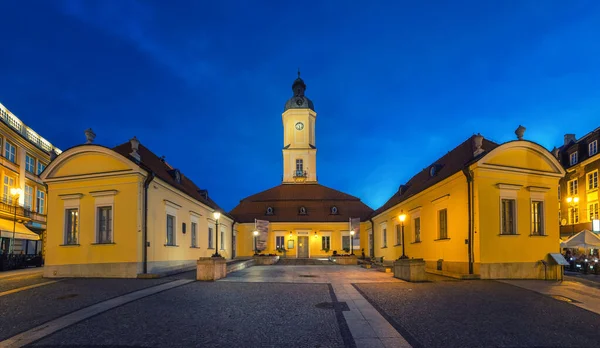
(269, 210)
(573, 158)
(177, 176)
(433, 170)
(593, 148)
(334, 210)
(302, 211)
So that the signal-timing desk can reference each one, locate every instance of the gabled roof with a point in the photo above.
(286, 200)
(448, 165)
(162, 170)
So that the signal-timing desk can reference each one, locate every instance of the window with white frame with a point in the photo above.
(592, 179)
(537, 218)
(573, 158)
(443, 223)
(398, 234)
(10, 152)
(72, 226)
(9, 182)
(41, 201)
(30, 164)
(384, 236)
(279, 242)
(222, 239)
(210, 238)
(593, 148)
(194, 235)
(299, 167)
(40, 167)
(593, 211)
(572, 187)
(325, 242)
(105, 225)
(171, 228)
(28, 197)
(346, 242)
(417, 229)
(573, 215)
(508, 220)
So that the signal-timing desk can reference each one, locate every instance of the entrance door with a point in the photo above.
(302, 247)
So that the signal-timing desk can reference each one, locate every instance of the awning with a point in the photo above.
(583, 239)
(21, 232)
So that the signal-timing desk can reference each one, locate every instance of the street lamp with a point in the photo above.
(402, 217)
(15, 193)
(216, 215)
(573, 202)
(255, 244)
(352, 242)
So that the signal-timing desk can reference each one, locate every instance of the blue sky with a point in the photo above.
(396, 84)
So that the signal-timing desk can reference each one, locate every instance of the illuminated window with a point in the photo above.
(508, 217)
(325, 242)
(573, 158)
(279, 242)
(10, 152)
(593, 148)
(40, 167)
(29, 164)
(170, 230)
(574, 215)
(384, 237)
(398, 234)
(71, 226)
(572, 186)
(537, 218)
(443, 224)
(105, 225)
(40, 202)
(417, 227)
(9, 182)
(593, 211)
(592, 179)
(222, 241)
(28, 197)
(210, 238)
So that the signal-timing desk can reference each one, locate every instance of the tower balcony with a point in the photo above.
(300, 175)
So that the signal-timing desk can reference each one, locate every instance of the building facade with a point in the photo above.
(305, 219)
(125, 212)
(23, 206)
(483, 210)
(578, 192)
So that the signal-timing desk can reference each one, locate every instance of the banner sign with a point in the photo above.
(355, 226)
(262, 226)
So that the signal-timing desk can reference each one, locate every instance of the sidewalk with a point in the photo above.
(576, 292)
(26, 272)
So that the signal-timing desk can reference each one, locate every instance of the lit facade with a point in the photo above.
(483, 210)
(124, 212)
(25, 155)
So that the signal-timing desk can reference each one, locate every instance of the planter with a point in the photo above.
(265, 260)
(345, 260)
(412, 270)
(211, 268)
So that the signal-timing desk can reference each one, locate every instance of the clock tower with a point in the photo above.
(299, 146)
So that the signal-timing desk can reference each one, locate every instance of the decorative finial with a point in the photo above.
(89, 136)
(135, 144)
(555, 152)
(478, 142)
(298, 72)
(520, 131)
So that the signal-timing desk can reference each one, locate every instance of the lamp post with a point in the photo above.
(255, 244)
(573, 202)
(352, 242)
(402, 217)
(216, 215)
(15, 193)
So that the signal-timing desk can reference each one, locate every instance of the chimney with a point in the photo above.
(89, 136)
(204, 194)
(478, 143)
(135, 144)
(53, 155)
(519, 132)
(569, 138)
(555, 152)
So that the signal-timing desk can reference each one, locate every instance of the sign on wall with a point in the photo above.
(596, 225)
(262, 226)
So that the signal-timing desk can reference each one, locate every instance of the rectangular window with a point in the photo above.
(384, 237)
(29, 164)
(417, 225)
(443, 223)
(280, 242)
(9, 182)
(398, 234)
(345, 242)
(508, 217)
(41, 201)
(573, 158)
(325, 243)
(592, 179)
(222, 240)
(537, 218)
(104, 224)
(572, 187)
(40, 167)
(170, 230)
(210, 238)
(593, 211)
(299, 167)
(194, 235)
(71, 226)
(10, 152)
(593, 148)
(574, 215)
(28, 197)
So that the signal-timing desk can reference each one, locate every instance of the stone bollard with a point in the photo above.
(211, 268)
(412, 270)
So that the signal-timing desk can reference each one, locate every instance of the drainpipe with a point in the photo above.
(372, 247)
(149, 178)
(233, 240)
(469, 177)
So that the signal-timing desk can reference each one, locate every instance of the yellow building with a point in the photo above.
(25, 155)
(482, 210)
(124, 212)
(306, 219)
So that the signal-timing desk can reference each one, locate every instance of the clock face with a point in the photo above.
(299, 101)
(299, 126)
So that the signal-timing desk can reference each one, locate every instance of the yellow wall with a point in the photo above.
(299, 142)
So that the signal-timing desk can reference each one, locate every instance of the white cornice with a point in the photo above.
(103, 193)
(511, 187)
(71, 196)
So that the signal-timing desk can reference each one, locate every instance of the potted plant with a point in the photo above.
(326, 250)
(346, 250)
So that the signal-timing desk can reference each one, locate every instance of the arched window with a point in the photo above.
(269, 210)
(302, 211)
(299, 167)
(334, 210)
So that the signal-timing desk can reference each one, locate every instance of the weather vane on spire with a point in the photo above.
(298, 72)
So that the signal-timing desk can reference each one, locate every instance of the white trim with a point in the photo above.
(515, 213)
(531, 200)
(104, 199)
(103, 193)
(569, 193)
(171, 204)
(195, 214)
(595, 143)
(72, 203)
(73, 196)
(512, 187)
(384, 241)
(587, 180)
(441, 199)
(573, 157)
(538, 189)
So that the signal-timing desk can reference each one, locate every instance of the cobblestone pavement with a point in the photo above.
(481, 314)
(304, 262)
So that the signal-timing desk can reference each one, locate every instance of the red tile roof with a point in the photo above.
(448, 165)
(287, 199)
(165, 172)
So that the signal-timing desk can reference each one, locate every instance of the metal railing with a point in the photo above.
(10, 208)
